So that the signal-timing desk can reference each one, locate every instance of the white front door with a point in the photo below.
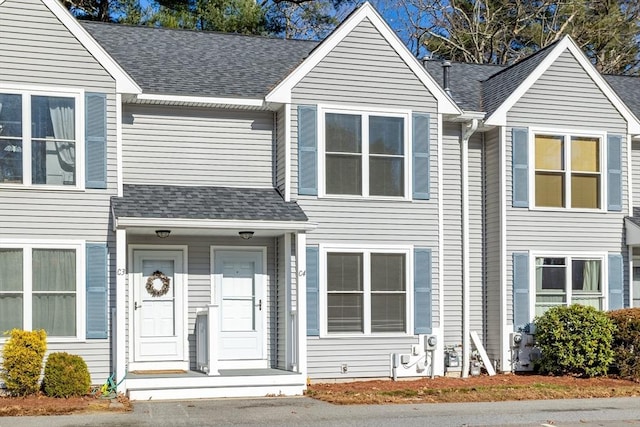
(239, 290)
(158, 308)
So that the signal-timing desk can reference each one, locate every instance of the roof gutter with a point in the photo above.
(125, 222)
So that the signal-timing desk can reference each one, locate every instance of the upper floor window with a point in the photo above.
(38, 139)
(39, 289)
(568, 171)
(568, 280)
(365, 154)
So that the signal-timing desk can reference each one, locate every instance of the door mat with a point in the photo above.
(159, 372)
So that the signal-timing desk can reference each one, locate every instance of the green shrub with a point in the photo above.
(574, 340)
(22, 357)
(66, 375)
(626, 342)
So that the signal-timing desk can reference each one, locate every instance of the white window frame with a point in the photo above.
(364, 112)
(27, 246)
(27, 92)
(366, 251)
(567, 134)
(569, 257)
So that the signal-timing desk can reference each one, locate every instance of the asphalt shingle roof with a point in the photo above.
(200, 63)
(628, 89)
(465, 81)
(497, 88)
(169, 201)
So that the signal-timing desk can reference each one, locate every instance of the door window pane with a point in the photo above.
(54, 291)
(11, 295)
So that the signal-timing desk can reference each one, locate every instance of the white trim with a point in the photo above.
(366, 251)
(121, 304)
(124, 83)
(119, 155)
(289, 329)
(301, 301)
(364, 113)
(263, 276)
(287, 152)
(568, 256)
(27, 246)
(505, 328)
(629, 176)
(566, 135)
(185, 301)
(440, 145)
(499, 117)
(27, 92)
(282, 92)
(239, 102)
(124, 222)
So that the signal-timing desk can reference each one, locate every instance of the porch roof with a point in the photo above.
(205, 203)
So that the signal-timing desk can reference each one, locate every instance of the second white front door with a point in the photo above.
(239, 291)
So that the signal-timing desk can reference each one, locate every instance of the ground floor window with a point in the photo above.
(568, 280)
(366, 291)
(39, 289)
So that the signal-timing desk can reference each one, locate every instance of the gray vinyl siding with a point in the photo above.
(452, 250)
(199, 283)
(365, 357)
(281, 166)
(189, 146)
(565, 97)
(37, 50)
(364, 71)
(493, 264)
(477, 284)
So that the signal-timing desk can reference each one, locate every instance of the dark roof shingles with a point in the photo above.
(224, 203)
(200, 63)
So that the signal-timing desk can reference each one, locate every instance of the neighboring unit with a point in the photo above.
(218, 215)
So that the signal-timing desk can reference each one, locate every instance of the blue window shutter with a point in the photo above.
(520, 167)
(307, 150)
(422, 289)
(614, 173)
(616, 282)
(97, 284)
(521, 315)
(421, 153)
(313, 295)
(96, 140)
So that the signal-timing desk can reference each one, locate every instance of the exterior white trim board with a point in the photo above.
(282, 92)
(240, 102)
(124, 222)
(499, 117)
(124, 83)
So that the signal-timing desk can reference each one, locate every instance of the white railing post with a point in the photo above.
(214, 310)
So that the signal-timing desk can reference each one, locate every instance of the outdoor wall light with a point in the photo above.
(246, 235)
(163, 234)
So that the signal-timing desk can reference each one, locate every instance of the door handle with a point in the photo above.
(136, 306)
(260, 305)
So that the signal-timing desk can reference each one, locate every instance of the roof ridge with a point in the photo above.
(523, 60)
(194, 31)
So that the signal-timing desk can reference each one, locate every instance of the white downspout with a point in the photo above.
(468, 129)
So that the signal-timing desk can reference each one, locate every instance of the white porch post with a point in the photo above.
(212, 339)
(301, 300)
(121, 315)
(290, 358)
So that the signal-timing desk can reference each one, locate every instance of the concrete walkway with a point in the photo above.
(299, 412)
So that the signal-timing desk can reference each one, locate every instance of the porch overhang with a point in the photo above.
(206, 210)
(632, 229)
